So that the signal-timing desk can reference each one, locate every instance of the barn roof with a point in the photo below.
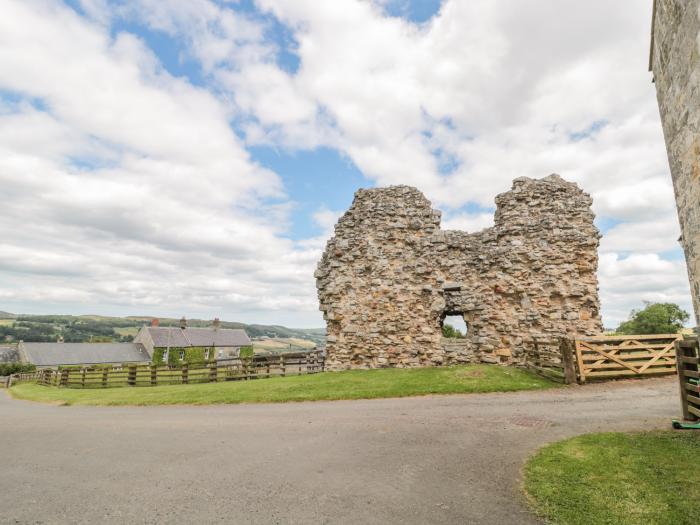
(55, 354)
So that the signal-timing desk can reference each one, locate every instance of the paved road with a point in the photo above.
(441, 459)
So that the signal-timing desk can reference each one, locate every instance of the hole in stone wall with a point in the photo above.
(454, 326)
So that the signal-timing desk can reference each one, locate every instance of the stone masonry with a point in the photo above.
(675, 61)
(390, 275)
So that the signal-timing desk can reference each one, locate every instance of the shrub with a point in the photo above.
(7, 369)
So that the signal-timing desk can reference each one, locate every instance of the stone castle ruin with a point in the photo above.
(390, 276)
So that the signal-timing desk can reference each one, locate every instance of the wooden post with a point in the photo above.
(131, 377)
(566, 348)
(154, 374)
(579, 361)
(213, 372)
(282, 369)
(105, 374)
(64, 378)
(185, 373)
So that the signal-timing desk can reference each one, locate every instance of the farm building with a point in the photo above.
(168, 344)
(49, 355)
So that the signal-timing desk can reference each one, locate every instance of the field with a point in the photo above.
(95, 328)
(355, 384)
(615, 478)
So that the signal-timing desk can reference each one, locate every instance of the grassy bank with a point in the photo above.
(355, 384)
(615, 478)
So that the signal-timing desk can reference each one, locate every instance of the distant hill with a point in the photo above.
(85, 328)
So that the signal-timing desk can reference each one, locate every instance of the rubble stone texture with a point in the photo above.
(390, 275)
(675, 61)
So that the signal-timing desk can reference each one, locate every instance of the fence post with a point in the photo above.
(567, 359)
(64, 377)
(154, 374)
(282, 369)
(213, 372)
(185, 373)
(131, 377)
(105, 374)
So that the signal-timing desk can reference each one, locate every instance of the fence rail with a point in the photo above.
(152, 375)
(608, 357)
(688, 357)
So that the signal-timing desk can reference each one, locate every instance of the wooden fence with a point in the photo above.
(688, 357)
(152, 375)
(552, 358)
(608, 357)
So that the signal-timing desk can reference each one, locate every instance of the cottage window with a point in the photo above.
(165, 356)
(221, 353)
(206, 354)
(182, 355)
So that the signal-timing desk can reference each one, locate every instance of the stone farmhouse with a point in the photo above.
(152, 344)
(174, 345)
(390, 276)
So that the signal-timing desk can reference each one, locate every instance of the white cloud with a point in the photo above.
(627, 282)
(136, 178)
(469, 222)
(126, 187)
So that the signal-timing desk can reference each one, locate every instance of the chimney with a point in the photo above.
(183, 322)
(155, 322)
(216, 323)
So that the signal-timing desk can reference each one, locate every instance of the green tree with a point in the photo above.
(655, 318)
(450, 331)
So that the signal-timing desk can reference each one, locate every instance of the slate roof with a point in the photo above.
(164, 336)
(55, 354)
(8, 354)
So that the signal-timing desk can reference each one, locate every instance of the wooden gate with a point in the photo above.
(689, 377)
(608, 357)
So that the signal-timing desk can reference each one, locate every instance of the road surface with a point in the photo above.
(437, 459)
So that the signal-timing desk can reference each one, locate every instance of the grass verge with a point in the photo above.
(615, 478)
(354, 384)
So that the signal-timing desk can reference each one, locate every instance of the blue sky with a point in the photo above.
(170, 157)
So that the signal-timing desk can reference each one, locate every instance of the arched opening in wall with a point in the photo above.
(454, 326)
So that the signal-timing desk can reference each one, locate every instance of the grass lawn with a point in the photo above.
(354, 384)
(617, 478)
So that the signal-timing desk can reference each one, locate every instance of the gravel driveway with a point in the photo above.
(437, 459)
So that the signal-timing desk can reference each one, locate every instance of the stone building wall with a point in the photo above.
(675, 62)
(390, 275)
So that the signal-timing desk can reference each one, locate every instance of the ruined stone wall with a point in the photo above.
(390, 275)
(675, 61)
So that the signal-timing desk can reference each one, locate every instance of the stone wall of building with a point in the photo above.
(390, 275)
(675, 61)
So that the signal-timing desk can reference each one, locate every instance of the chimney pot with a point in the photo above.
(183, 322)
(216, 323)
(155, 322)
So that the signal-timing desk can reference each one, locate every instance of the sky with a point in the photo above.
(190, 157)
